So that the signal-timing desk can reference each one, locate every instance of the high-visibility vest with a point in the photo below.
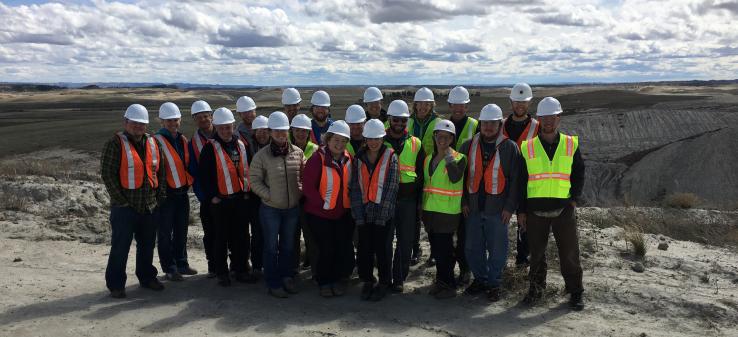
(177, 175)
(494, 178)
(332, 183)
(439, 193)
(132, 169)
(372, 185)
(549, 178)
(350, 149)
(531, 130)
(470, 127)
(407, 158)
(426, 137)
(198, 141)
(310, 148)
(231, 178)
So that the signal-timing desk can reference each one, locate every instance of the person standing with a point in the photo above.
(301, 129)
(320, 109)
(131, 170)
(291, 102)
(246, 109)
(373, 103)
(355, 118)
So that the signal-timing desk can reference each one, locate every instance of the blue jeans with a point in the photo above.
(486, 247)
(127, 224)
(174, 215)
(279, 226)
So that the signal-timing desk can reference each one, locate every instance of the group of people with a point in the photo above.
(357, 190)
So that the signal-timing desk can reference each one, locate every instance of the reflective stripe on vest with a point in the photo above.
(407, 158)
(531, 130)
(470, 127)
(549, 178)
(494, 177)
(372, 185)
(198, 141)
(177, 175)
(331, 183)
(132, 169)
(231, 179)
(439, 193)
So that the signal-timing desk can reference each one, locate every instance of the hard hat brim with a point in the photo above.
(517, 99)
(290, 103)
(462, 102)
(301, 127)
(197, 112)
(137, 120)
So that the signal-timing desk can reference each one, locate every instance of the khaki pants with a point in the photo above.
(564, 228)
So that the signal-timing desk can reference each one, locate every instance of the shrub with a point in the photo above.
(681, 200)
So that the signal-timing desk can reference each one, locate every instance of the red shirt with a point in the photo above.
(311, 187)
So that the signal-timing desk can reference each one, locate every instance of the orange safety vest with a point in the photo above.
(198, 141)
(231, 179)
(177, 175)
(530, 131)
(329, 180)
(494, 178)
(132, 168)
(372, 185)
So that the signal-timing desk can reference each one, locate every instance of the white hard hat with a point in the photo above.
(200, 106)
(490, 112)
(374, 128)
(245, 103)
(260, 122)
(340, 128)
(302, 121)
(445, 125)
(278, 121)
(355, 114)
(398, 108)
(290, 96)
(321, 98)
(424, 95)
(137, 113)
(222, 116)
(521, 92)
(169, 110)
(548, 106)
(372, 94)
(458, 95)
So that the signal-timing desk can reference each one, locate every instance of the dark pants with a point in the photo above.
(206, 218)
(257, 233)
(459, 250)
(279, 231)
(405, 223)
(335, 248)
(375, 241)
(310, 246)
(230, 231)
(174, 216)
(127, 224)
(522, 247)
(564, 229)
(442, 249)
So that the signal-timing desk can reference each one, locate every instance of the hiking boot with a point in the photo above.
(464, 277)
(326, 291)
(575, 302)
(446, 291)
(278, 293)
(289, 285)
(153, 284)
(175, 276)
(397, 288)
(379, 292)
(493, 294)
(188, 271)
(246, 277)
(366, 290)
(475, 288)
(224, 280)
(118, 293)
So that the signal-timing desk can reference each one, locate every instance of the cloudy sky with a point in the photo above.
(303, 42)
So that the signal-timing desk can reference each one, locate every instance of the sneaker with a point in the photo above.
(446, 291)
(154, 284)
(289, 285)
(379, 292)
(475, 288)
(493, 294)
(397, 288)
(464, 277)
(246, 277)
(366, 290)
(278, 293)
(224, 280)
(118, 293)
(188, 271)
(575, 302)
(326, 291)
(175, 276)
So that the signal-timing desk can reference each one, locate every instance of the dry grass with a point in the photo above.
(59, 169)
(681, 200)
(13, 202)
(633, 235)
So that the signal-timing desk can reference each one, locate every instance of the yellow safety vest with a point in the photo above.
(549, 178)
(427, 137)
(466, 133)
(439, 193)
(407, 159)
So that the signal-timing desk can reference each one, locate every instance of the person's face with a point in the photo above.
(398, 124)
(422, 109)
(374, 143)
(337, 144)
(443, 140)
(320, 113)
(489, 129)
(248, 116)
(172, 125)
(261, 136)
(204, 120)
(291, 110)
(457, 110)
(135, 129)
(279, 136)
(356, 130)
(301, 135)
(374, 109)
(520, 109)
(225, 131)
(549, 124)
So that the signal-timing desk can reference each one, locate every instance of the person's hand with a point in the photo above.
(215, 200)
(506, 217)
(465, 210)
(523, 222)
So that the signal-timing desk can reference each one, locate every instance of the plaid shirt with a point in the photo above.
(142, 200)
(372, 213)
